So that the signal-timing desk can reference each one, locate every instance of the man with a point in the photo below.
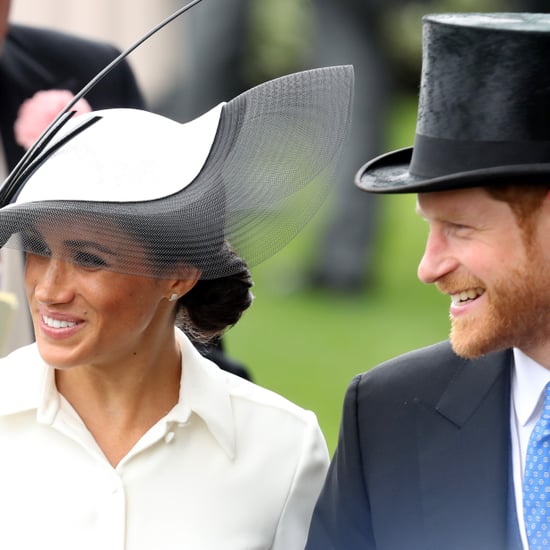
(435, 448)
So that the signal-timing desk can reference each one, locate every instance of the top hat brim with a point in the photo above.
(390, 173)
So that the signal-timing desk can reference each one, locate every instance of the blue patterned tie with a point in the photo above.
(536, 481)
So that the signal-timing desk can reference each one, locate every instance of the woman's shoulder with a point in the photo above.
(264, 418)
(202, 373)
(21, 362)
(254, 399)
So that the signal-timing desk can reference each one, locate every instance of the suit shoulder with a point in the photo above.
(425, 371)
(418, 363)
(58, 42)
(40, 58)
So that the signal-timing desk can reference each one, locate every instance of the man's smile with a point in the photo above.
(464, 296)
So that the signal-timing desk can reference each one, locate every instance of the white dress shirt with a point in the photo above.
(528, 382)
(231, 466)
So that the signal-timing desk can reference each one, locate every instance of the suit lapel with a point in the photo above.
(473, 381)
(464, 457)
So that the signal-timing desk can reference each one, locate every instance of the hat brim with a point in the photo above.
(147, 238)
(389, 173)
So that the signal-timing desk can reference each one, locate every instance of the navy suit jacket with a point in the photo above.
(423, 460)
(36, 59)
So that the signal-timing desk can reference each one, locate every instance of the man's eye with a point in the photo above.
(459, 230)
(87, 259)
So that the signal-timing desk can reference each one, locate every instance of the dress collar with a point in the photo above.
(27, 383)
(204, 391)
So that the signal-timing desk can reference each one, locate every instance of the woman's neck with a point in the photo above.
(120, 403)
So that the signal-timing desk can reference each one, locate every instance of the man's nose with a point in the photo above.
(437, 260)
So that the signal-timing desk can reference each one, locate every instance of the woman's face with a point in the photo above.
(83, 312)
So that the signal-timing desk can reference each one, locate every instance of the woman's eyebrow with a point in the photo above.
(89, 244)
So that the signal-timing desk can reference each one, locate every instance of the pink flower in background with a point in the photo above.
(36, 113)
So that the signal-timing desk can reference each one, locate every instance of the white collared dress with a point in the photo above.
(232, 466)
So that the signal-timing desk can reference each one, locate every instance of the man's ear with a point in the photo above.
(545, 206)
(543, 218)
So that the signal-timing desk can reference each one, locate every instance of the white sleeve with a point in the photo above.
(309, 475)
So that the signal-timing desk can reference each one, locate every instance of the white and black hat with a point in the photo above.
(250, 172)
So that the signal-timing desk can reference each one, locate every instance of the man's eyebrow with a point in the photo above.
(89, 244)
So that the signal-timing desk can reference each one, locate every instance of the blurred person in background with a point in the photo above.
(353, 30)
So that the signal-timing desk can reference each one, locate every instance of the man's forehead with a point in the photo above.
(452, 202)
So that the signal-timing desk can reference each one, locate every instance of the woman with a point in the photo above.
(115, 432)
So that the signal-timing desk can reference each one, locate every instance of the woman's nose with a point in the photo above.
(50, 279)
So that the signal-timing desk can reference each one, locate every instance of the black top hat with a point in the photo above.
(484, 107)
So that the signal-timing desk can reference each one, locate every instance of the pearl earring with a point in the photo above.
(173, 297)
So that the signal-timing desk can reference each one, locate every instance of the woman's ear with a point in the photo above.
(180, 287)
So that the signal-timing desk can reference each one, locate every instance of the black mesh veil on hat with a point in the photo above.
(161, 195)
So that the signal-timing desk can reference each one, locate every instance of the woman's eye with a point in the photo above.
(35, 245)
(87, 259)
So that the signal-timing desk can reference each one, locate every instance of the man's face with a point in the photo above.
(499, 284)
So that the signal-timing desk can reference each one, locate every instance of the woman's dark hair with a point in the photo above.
(213, 305)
